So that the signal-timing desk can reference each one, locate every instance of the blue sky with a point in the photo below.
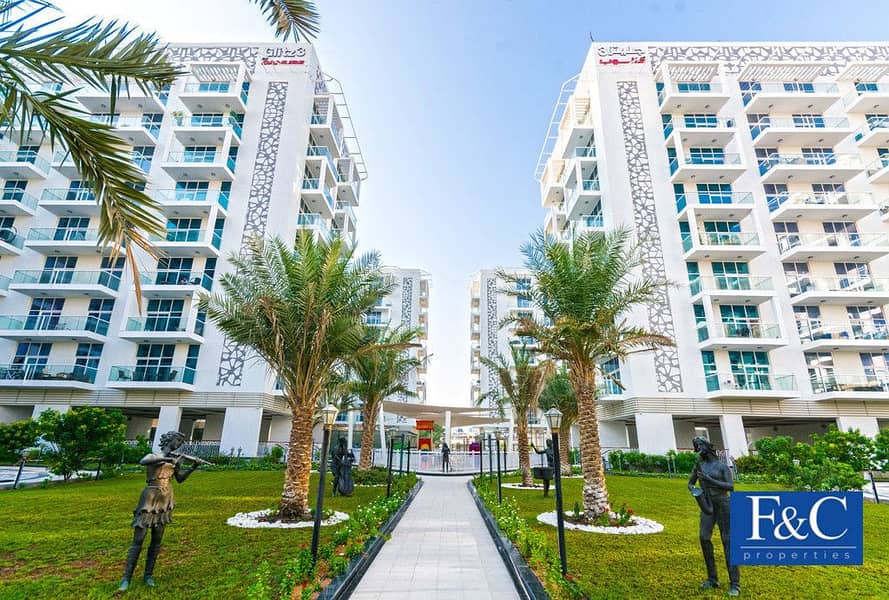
(451, 100)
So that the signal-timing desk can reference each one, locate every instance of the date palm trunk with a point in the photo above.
(524, 455)
(595, 492)
(565, 446)
(369, 421)
(295, 498)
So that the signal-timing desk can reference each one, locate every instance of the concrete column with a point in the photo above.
(279, 431)
(167, 420)
(39, 408)
(734, 438)
(350, 429)
(612, 434)
(11, 414)
(655, 432)
(240, 430)
(866, 425)
(447, 428)
(213, 427)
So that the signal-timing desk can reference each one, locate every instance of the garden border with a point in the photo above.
(527, 583)
(342, 586)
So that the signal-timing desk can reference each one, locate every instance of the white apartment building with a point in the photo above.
(756, 177)
(254, 139)
(408, 307)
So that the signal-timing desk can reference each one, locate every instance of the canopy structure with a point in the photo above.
(446, 416)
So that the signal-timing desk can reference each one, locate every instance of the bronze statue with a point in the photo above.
(713, 500)
(341, 462)
(155, 508)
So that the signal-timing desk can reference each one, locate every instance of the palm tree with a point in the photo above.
(586, 290)
(559, 394)
(521, 380)
(302, 311)
(378, 374)
(296, 19)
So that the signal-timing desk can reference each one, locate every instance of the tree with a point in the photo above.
(15, 437)
(521, 381)
(82, 433)
(301, 310)
(559, 394)
(378, 374)
(881, 450)
(296, 19)
(586, 290)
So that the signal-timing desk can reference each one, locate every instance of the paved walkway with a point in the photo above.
(441, 550)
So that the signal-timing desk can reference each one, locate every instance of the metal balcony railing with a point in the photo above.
(713, 199)
(749, 382)
(109, 279)
(54, 323)
(730, 283)
(830, 382)
(852, 199)
(788, 241)
(831, 159)
(152, 373)
(47, 372)
(838, 284)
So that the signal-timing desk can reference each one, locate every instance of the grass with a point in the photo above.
(670, 565)
(70, 541)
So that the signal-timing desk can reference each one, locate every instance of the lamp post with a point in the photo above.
(391, 459)
(481, 455)
(499, 481)
(490, 459)
(554, 416)
(328, 416)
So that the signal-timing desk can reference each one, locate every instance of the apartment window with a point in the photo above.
(79, 190)
(72, 228)
(797, 276)
(799, 86)
(808, 120)
(739, 320)
(174, 271)
(749, 89)
(750, 370)
(714, 193)
(191, 363)
(142, 156)
(693, 86)
(192, 190)
(31, 357)
(731, 275)
(14, 189)
(107, 118)
(694, 271)
(523, 301)
(44, 313)
(99, 315)
(852, 274)
(58, 269)
(722, 226)
(374, 317)
(523, 284)
(867, 322)
(711, 377)
(787, 233)
(232, 158)
(877, 121)
(200, 154)
(209, 274)
(214, 86)
(767, 158)
(153, 362)
(679, 195)
(808, 319)
(164, 315)
(821, 371)
(206, 119)
(86, 361)
(721, 232)
(611, 376)
(27, 154)
(700, 321)
(245, 91)
(876, 366)
(867, 86)
(701, 120)
(758, 123)
(706, 156)
(818, 156)
(776, 194)
(8, 233)
(152, 122)
(183, 230)
(841, 232)
(667, 123)
(218, 227)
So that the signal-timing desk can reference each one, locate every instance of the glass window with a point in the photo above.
(164, 314)
(706, 156)
(711, 378)
(153, 362)
(86, 361)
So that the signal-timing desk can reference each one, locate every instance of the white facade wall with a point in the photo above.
(297, 166)
(408, 307)
(804, 118)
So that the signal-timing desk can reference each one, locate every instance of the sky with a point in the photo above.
(451, 100)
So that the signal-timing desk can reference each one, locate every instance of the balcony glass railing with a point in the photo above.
(704, 159)
(108, 279)
(592, 221)
(788, 241)
(846, 161)
(4, 282)
(608, 387)
(53, 323)
(748, 329)
(702, 122)
(800, 199)
(200, 157)
(68, 195)
(38, 372)
(19, 197)
(873, 123)
(25, 156)
(690, 87)
(863, 89)
(210, 121)
(9, 235)
(823, 383)
(322, 151)
(807, 122)
(189, 235)
(590, 185)
(311, 220)
(348, 210)
(713, 199)
(855, 329)
(877, 166)
(175, 277)
(119, 122)
(173, 196)
(162, 323)
(789, 87)
(58, 234)
(211, 87)
(730, 283)
(585, 152)
(713, 238)
(851, 284)
(152, 373)
(749, 382)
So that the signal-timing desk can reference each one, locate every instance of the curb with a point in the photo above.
(342, 586)
(526, 582)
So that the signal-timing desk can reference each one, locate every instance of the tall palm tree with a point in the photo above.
(296, 19)
(302, 311)
(521, 380)
(378, 374)
(586, 290)
(559, 394)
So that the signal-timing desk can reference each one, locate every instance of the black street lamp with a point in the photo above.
(328, 416)
(390, 460)
(554, 416)
(499, 481)
(490, 458)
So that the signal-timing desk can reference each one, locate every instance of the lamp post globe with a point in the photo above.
(328, 414)
(554, 418)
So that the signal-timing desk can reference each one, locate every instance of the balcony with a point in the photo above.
(200, 165)
(214, 96)
(64, 164)
(63, 376)
(818, 206)
(174, 283)
(853, 336)
(732, 288)
(11, 243)
(749, 386)
(191, 203)
(874, 133)
(717, 168)
(839, 290)
(64, 241)
(325, 126)
(552, 182)
(868, 98)
(152, 377)
(66, 202)
(207, 130)
(728, 206)
(345, 216)
(831, 386)
(316, 194)
(693, 97)
(129, 99)
(582, 199)
(878, 171)
(321, 153)
(135, 131)
(789, 97)
(800, 131)
(709, 245)
(66, 283)
(315, 223)
(740, 335)
(53, 328)
(809, 168)
(17, 203)
(22, 164)
(588, 224)
(856, 247)
(189, 242)
(608, 391)
(163, 329)
(4, 285)
(347, 190)
(699, 130)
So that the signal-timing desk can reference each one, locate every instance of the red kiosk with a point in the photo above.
(424, 434)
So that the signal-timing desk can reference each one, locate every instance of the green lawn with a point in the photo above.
(70, 541)
(669, 564)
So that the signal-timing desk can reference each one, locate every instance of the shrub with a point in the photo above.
(752, 464)
(15, 437)
(275, 455)
(881, 450)
(81, 433)
(373, 476)
(684, 462)
(849, 447)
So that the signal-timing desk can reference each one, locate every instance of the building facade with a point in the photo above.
(254, 139)
(756, 177)
(408, 307)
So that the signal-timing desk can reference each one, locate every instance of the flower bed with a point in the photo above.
(254, 520)
(638, 525)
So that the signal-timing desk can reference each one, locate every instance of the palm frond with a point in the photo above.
(296, 19)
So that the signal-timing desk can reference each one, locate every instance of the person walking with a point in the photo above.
(445, 458)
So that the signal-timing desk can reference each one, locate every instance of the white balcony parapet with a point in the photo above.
(839, 383)
(875, 241)
(855, 329)
(863, 200)
(732, 283)
(838, 284)
(750, 382)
